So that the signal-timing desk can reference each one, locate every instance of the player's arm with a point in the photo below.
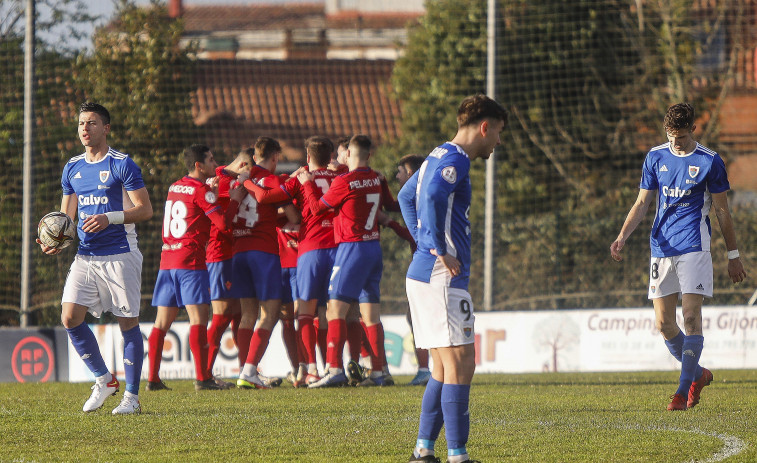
(386, 221)
(406, 199)
(634, 218)
(436, 196)
(720, 204)
(267, 195)
(140, 212)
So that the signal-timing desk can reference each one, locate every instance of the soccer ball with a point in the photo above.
(56, 230)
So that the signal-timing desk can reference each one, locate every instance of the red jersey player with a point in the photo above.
(255, 262)
(182, 281)
(356, 275)
(226, 309)
(317, 248)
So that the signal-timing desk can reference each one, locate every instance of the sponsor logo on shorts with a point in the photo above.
(228, 285)
(700, 287)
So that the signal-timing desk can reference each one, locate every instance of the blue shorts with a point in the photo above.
(220, 274)
(313, 273)
(181, 287)
(256, 274)
(357, 272)
(288, 284)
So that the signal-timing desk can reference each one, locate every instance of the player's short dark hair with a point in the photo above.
(476, 108)
(362, 142)
(319, 149)
(343, 142)
(90, 107)
(266, 148)
(194, 153)
(247, 154)
(679, 117)
(413, 160)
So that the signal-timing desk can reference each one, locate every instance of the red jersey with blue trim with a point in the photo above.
(316, 230)
(254, 224)
(190, 207)
(356, 199)
(220, 244)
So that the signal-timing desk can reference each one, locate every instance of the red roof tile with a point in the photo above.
(206, 18)
(240, 100)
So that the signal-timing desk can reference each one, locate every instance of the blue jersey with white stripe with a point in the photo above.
(435, 204)
(101, 187)
(684, 185)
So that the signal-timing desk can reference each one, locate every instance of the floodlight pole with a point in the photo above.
(26, 204)
(491, 167)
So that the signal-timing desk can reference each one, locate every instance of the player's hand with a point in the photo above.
(212, 182)
(243, 177)
(380, 176)
(297, 172)
(48, 250)
(736, 270)
(237, 192)
(615, 249)
(95, 223)
(304, 177)
(452, 264)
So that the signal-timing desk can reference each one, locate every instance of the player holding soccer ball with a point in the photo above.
(435, 203)
(686, 179)
(104, 189)
(183, 281)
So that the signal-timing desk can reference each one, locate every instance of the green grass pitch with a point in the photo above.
(552, 417)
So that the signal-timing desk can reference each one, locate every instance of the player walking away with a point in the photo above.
(687, 179)
(256, 265)
(183, 279)
(406, 167)
(435, 202)
(105, 190)
(226, 309)
(356, 275)
(317, 248)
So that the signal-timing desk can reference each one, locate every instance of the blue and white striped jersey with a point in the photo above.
(101, 187)
(684, 185)
(435, 204)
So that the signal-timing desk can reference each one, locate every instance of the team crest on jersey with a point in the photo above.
(210, 197)
(449, 174)
(104, 175)
(693, 171)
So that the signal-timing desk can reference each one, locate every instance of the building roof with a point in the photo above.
(239, 100)
(207, 18)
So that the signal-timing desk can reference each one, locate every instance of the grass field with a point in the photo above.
(560, 417)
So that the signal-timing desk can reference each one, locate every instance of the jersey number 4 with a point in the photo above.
(248, 210)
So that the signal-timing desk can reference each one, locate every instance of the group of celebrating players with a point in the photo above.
(274, 247)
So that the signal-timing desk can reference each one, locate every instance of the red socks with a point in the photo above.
(215, 332)
(258, 345)
(198, 344)
(337, 335)
(244, 336)
(375, 335)
(155, 353)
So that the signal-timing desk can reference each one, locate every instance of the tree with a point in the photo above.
(143, 75)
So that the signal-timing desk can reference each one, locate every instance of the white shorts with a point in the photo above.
(689, 273)
(442, 316)
(106, 283)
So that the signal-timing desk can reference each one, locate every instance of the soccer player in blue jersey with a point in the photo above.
(435, 203)
(104, 189)
(685, 179)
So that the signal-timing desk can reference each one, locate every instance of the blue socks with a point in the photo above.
(676, 348)
(432, 418)
(85, 344)
(455, 398)
(134, 354)
(690, 370)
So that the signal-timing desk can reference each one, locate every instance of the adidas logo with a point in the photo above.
(78, 175)
(86, 356)
(664, 168)
(700, 287)
(128, 362)
(688, 352)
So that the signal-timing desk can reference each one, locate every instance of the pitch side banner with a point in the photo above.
(33, 355)
(506, 342)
